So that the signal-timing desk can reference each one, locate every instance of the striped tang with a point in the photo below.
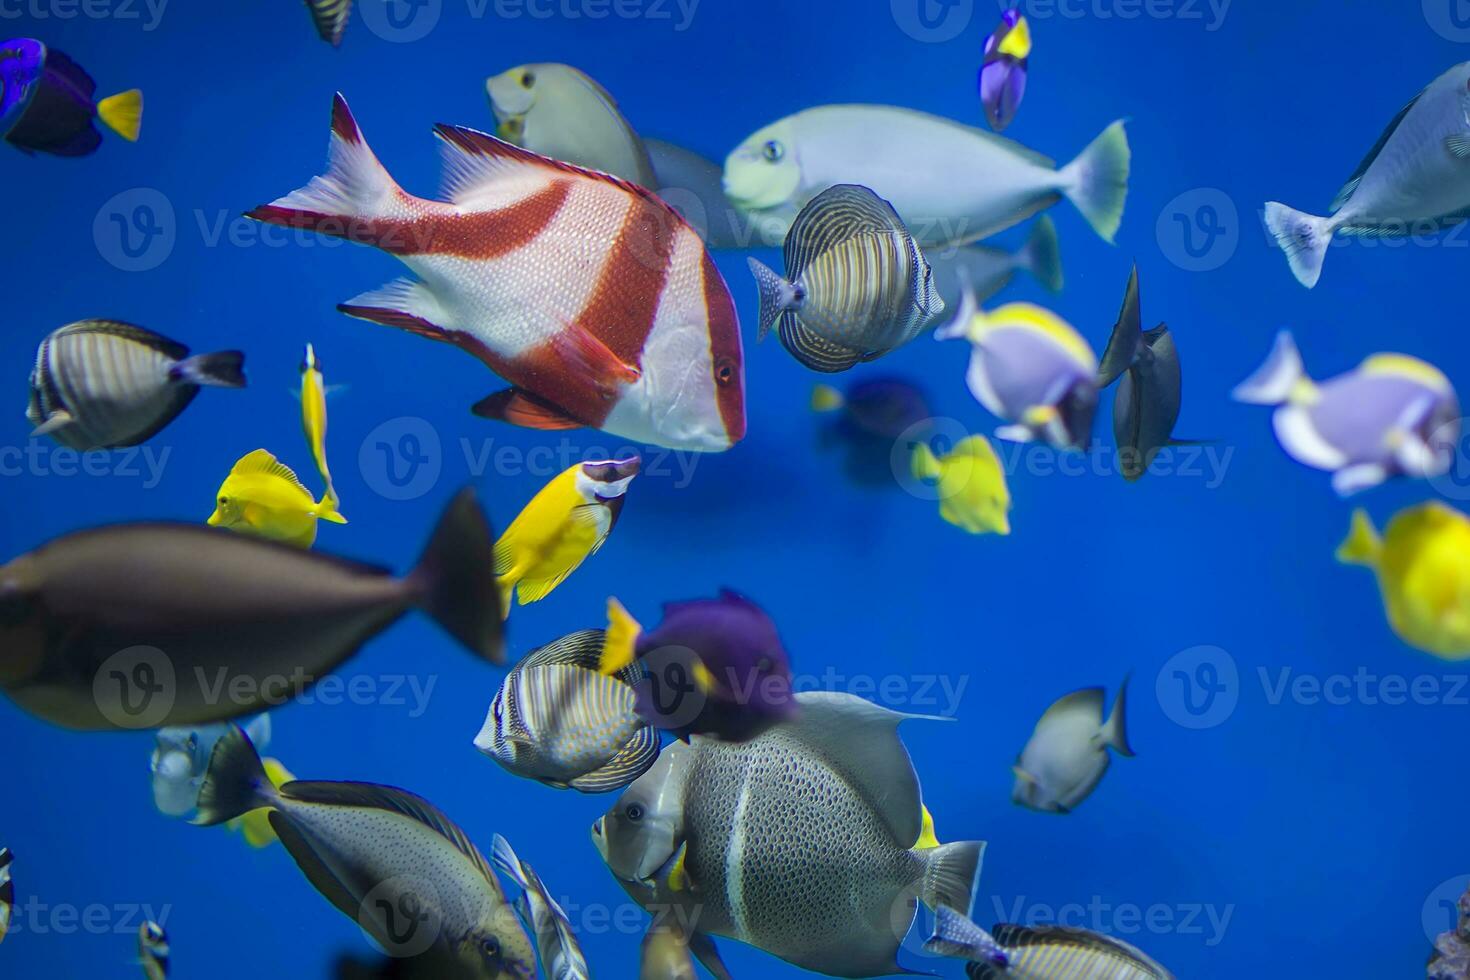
(590, 295)
(330, 18)
(7, 891)
(559, 720)
(561, 952)
(1065, 953)
(857, 284)
(101, 384)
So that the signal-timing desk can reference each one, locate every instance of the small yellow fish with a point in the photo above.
(256, 825)
(261, 496)
(971, 484)
(314, 418)
(1423, 567)
(565, 522)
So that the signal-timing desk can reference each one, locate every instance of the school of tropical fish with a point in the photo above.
(564, 256)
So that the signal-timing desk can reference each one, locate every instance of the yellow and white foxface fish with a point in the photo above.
(314, 418)
(565, 522)
(261, 496)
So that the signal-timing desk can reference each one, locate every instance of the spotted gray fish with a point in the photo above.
(153, 950)
(330, 18)
(101, 384)
(561, 952)
(857, 285)
(146, 625)
(1041, 952)
(385, 858)
(1417, 178)
(560, 720)
(7, 891)
(1150, 386)
(801, 842)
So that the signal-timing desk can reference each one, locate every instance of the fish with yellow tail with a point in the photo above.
(1422, 561)
(314, 418)
(49, 104)
(263, 497)
(566, 522)
(970, 483)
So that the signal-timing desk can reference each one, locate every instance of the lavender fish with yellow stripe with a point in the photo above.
(1394, 415)
(857, 284)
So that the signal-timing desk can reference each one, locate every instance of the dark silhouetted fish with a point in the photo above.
(48, 102)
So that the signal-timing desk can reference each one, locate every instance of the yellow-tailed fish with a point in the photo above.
(153, 950)
(1423, 567)
(314, 418)
(256, 825)
(565, 522)
(261, 496)
(971, 485)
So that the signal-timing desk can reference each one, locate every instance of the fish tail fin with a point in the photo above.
(355, 186)
(235, 783)
(1115, 729)
(1362, 546)
(255, 826)
(1304, 238)
(1042, 255)
(222, 369)
(123, 113)
(951, 872)
(957, 937)
(1097, 181)
(327, 508)
(826, 398)
(777, 295)
(1277, 380)
(1127, 340)
(924, 464)
(619, 646)
(457, 579)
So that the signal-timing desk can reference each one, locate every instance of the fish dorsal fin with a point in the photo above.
(262, 463)
(1090, 699)
(580, 649)
(127, 331)
(1409, 368)
(860, 740)
(837, 215)
(393, 800)
(1357, 178)
(814, 350)
(63, 65)
(1018, 937)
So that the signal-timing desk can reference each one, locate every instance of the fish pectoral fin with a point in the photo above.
(519, 407)
(529, 590)
(703, 948)
(632, 761)
(586, 356)
(58, 420)
(1459, 146)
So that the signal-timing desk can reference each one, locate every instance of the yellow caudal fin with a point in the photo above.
(924, 464)
(255, 826)
(927, 840)
(123, 113)
(1363, 544)
(826, 398)
(326, 509)
(619, 646)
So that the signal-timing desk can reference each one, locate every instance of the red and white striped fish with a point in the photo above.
(589, 294)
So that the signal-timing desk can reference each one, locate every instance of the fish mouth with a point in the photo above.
(615, 472)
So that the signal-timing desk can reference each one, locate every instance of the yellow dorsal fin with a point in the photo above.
(1404, 366)
(262, 463)
(1029, 316)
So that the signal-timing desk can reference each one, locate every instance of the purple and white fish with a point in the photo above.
(1003, 72)
(48, 104)
(1394, 415)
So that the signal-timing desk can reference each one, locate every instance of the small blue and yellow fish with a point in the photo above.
(1003, 73)
(1394, 415)
(47, 102)
(971, 484)
(314, 419)
(153, 950)
(263, 497)
(567, 521)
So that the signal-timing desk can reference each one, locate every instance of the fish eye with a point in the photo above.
(490, 947)
(724, 372)
(223, 501)
(773, 151)
(633, 812)
(528, 79)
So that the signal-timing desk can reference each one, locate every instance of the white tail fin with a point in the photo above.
(1275, 381)
(1097, 181)
(1304, 238)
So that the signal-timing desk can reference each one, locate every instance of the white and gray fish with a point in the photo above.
(1416, 179)
(181, 758)
(1041, 952)
(388, 860)
(1150, 386)
(101, 384)
(989, 270)
(7, 891)
(694, 185)
(153, 950)
(561, 952)
(1067, 754)
(856, 286)
(801, 841)
(560, 720)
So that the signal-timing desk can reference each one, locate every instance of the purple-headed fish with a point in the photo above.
(716, 667)
(1394, 415)
(1003, 73)
(1031, 368)
(47, 102)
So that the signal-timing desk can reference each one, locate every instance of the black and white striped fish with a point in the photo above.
(101, 384)
(857, 284)
(560, 720)
(153, 950)
(1040, 952)
(330, 17)
(7, 891)
(561, 952)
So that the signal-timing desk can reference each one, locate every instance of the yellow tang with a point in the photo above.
(314, 418)
(971, 484)
(1423, 567)
(261, 496)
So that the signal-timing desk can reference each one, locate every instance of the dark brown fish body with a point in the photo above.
(139, 626)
